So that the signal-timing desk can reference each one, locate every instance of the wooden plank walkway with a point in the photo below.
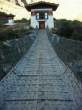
(40, 81)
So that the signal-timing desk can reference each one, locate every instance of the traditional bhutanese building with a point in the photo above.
(42, 14)
(6, 18)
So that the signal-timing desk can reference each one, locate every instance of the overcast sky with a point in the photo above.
(68, 9)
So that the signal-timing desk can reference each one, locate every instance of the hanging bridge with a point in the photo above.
(40, 81)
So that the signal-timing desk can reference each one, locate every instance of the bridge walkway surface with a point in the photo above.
(40, 81)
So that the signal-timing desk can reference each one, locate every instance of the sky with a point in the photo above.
(68, 9)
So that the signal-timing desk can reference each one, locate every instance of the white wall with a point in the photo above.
(34, 22)
(10, 21)
(50, 22)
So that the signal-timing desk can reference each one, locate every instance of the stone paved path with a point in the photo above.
(40, 81)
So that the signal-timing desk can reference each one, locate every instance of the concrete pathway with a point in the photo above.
(40, 81)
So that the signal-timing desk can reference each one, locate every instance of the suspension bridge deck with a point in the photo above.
(40, 81)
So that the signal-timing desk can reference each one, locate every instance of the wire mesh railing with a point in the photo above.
(69, 51)
(12, 50)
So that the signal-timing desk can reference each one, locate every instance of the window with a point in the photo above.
(41, 15)
(37, 16)
(46, 15)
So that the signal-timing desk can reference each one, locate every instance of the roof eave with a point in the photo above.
(29, 8)
(52, 5)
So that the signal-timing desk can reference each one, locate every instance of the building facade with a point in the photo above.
(42, 14)
(6, 18)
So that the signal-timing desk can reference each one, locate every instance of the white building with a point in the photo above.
(10, 20)
(42, 14)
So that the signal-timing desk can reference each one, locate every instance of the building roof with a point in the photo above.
(2, 14)
(41, 4)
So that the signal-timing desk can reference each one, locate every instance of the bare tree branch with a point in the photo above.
(24, 1)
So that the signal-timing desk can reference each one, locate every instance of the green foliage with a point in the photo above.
(9, 34)
(22, 21)
(69, 29)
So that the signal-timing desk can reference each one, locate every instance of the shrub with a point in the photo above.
(68, 29)
(12, 33)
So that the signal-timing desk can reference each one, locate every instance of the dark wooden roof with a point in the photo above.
(2, 14)
(42, 4)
